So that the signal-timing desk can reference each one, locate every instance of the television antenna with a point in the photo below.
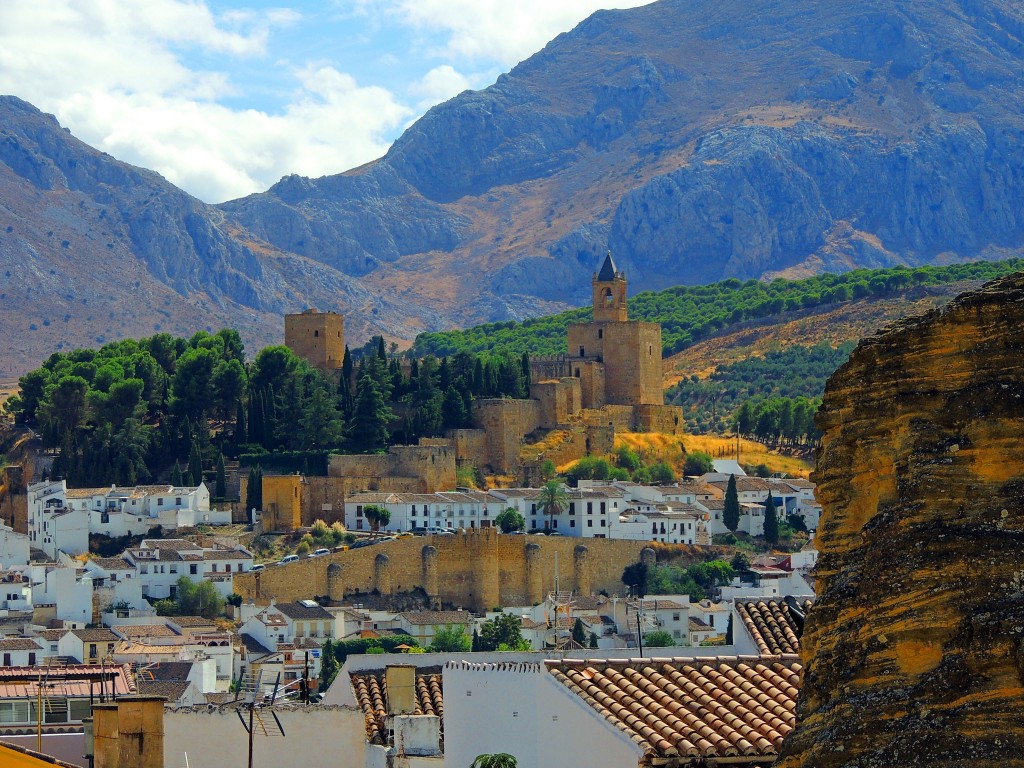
(51, 698)
(258, 691)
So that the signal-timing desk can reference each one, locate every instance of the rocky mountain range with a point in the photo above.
(697, 139)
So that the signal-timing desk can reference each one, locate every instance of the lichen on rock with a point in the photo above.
(914, 651)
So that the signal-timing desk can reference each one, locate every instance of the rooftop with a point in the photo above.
(720, 708)
(771, 625)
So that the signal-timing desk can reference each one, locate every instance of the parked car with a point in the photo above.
(419, 531)
(258, 567)
(363, 543)
(289, 559)
(320, 552)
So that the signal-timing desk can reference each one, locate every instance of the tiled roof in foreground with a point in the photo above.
(371, 693)
(771, 625)
(720, 709)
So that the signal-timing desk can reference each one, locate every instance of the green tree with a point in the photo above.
(497, 760)
(221, 487)
(198, 598)
(731, 509)
(509, 520)
(320, 424)
(450, 639)
(377, 516)
(328, 665)
(547, 469)
(579, 634)
(636, 577)
(771, 520)
(368, 429)
(177, 478)
(553, 500)
(503, 633)
(697, 463)
(254, 490)
(195, 464)
(659, 639)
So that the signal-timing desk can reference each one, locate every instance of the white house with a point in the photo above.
(64, 591)
(161, 562)
(61, 518)
(88, 646)
(14, 547)
(21, 651)
(449, 510)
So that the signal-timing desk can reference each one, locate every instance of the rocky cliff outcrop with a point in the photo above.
(914, 651)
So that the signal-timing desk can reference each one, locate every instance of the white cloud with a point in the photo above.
(113, 73)
(493, 30)
(439, 84)
(155, 82)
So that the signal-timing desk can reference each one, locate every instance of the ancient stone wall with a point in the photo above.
(478, 569)
(470, 446)
(667, 419)
(282, 502)
(632, 359)
(410, 468)
(558, 401)
(914, 650)
(505, 423)
(323, 499)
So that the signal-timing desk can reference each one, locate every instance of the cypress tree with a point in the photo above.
(381, 353)
(524, 363)
(240, 436)
(771, 520)
(222, 481)
(177, 479)
(195, 465)
(731, 510)
(254, 489)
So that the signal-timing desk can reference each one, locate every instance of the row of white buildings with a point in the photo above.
(61, 518)
(685, 513)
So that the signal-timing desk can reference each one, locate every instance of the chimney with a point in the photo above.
(400, 680)
(129, 733)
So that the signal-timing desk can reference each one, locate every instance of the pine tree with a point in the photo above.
(221, 491)
(771, 520)
(731, 510)
(368, 429)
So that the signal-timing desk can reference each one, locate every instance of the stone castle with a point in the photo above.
(611, 381)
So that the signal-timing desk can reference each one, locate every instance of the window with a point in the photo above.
(159, 502)
(572, 523)
(572, 507)
(590, 523)
(92, 651)
(316, 333)
(7, 659)
(590, 507)
(143, 568)
(603, 508)
(413, 513)
(174, 569)
(582, 352)
(192, 569)
(359, 525)
(675, 617)
(602, 523)
(177, 501)
(14, 712)
(359, 510)
(600, 333)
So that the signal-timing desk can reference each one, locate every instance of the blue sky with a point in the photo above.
(223, 97)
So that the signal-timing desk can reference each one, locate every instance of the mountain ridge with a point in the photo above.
(697, 141)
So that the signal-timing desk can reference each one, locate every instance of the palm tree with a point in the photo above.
(497, 760)
(553, 500)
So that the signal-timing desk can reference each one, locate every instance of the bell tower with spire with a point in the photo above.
(609, 287)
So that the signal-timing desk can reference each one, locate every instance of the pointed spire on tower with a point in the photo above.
(608, 270)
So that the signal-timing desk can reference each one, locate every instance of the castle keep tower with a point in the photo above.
(316, 337)
(617, 360)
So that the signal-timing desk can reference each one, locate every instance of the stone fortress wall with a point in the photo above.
(476, 569)
(316, 337)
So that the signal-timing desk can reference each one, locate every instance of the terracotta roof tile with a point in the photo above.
(771, 625)
(692, 709)
(371, 692)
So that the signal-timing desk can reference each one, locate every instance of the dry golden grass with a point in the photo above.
(8, 387)
(671, 449)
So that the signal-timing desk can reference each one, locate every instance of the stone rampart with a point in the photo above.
(478, 569)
